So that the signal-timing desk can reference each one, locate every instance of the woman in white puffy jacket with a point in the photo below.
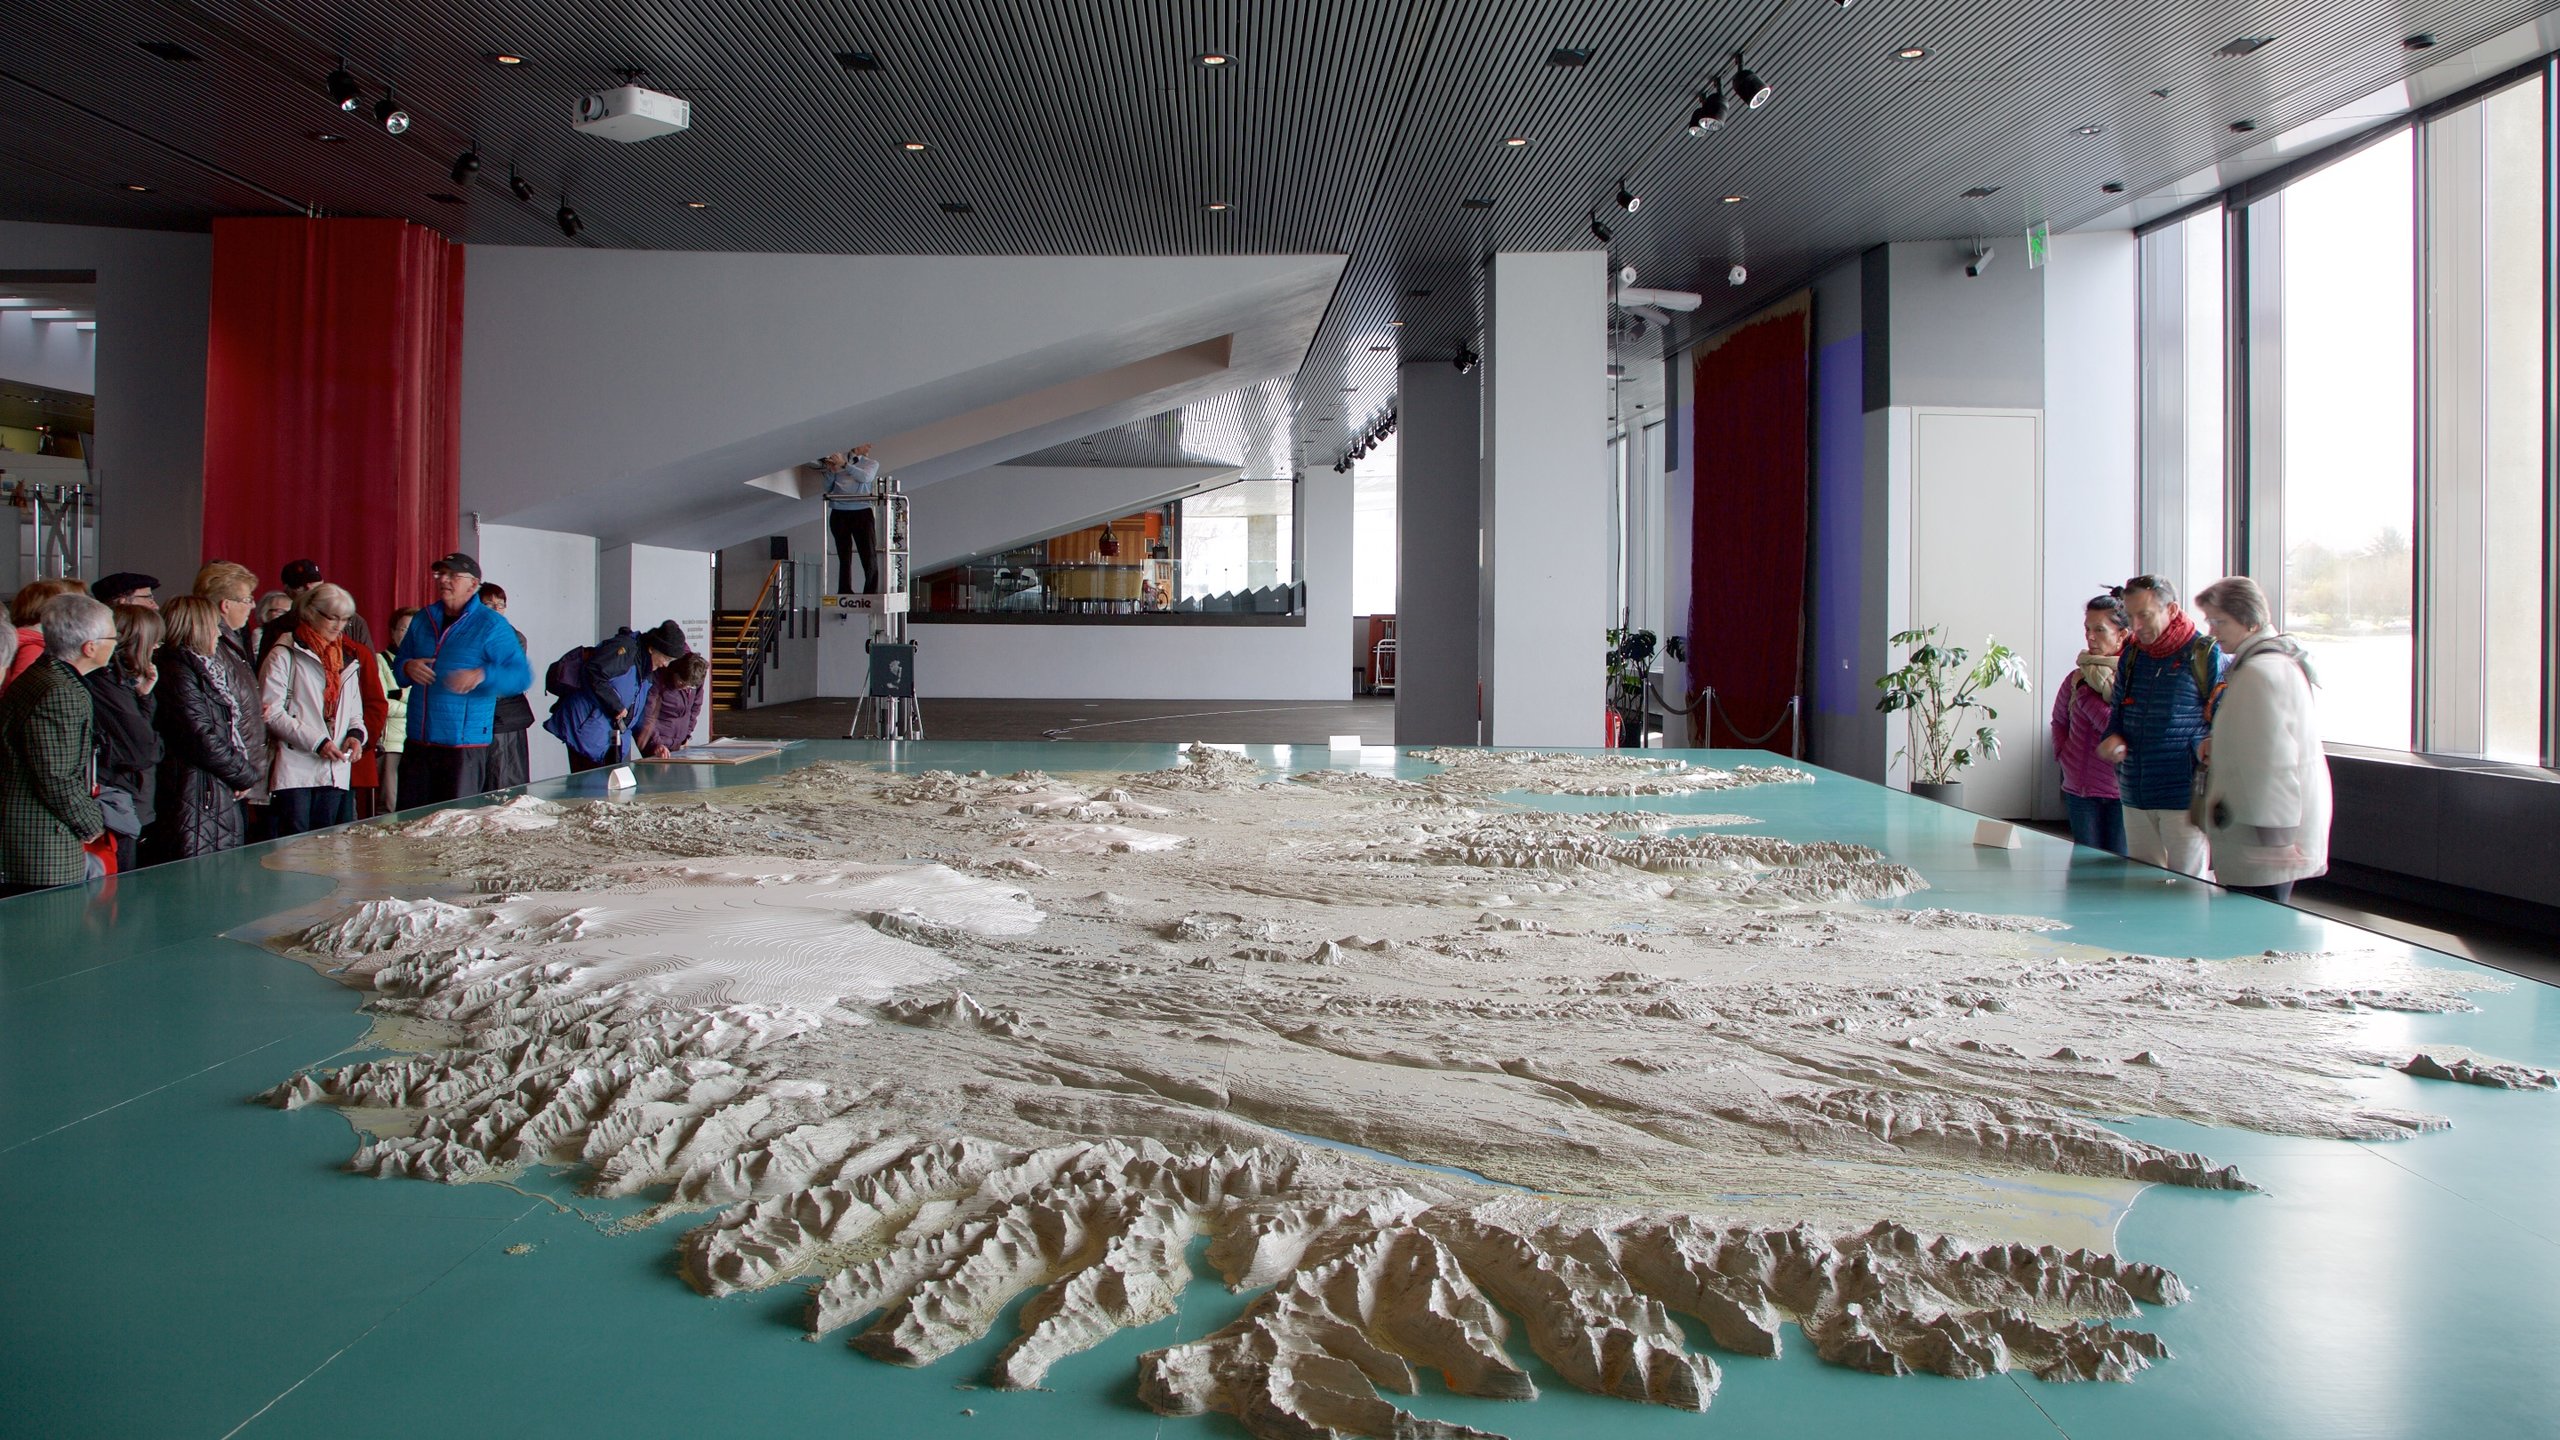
(314, 707)
(2265, 802)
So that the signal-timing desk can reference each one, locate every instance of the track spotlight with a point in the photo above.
(343, 90)
(394, 120)
(570, 224)
(1628, 200)
(1599, 231)
(1465, 361)
(1710, 112)
(1737, 277)
(522, 188)
(466, 165)
(1748, 88)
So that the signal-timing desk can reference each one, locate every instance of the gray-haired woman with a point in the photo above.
(2265, 808)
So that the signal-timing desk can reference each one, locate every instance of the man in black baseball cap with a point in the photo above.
(458, 563)
(457, 659)
(127, 587)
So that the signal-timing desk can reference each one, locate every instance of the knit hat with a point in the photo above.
(301, 573)
(667, 639)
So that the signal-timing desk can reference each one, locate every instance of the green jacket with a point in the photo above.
(46, 809)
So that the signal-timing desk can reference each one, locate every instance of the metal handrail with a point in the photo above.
(758, 639)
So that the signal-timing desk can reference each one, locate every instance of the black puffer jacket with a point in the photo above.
(128, 744)
(240, 674)
(205, 758)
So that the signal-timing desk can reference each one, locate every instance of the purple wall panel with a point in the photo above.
(1839, 502)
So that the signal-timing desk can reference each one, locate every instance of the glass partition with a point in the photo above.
(1228, 554)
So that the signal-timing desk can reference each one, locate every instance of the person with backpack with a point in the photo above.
(2164, 681)
(602, 690)
(2266, 793)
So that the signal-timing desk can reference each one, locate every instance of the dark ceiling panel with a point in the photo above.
(1090, 127)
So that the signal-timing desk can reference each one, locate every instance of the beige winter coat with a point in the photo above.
(296, 690)
(2266, 804)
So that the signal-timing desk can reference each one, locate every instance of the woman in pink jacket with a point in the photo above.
(2080, 711)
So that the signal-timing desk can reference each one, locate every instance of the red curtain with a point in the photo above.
(1747, 531)
(333, 403)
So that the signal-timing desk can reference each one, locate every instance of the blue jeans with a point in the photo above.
(313, 807)
(2098, 824)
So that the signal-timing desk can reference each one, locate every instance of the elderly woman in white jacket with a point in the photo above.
(2265, 805)
(314, 705)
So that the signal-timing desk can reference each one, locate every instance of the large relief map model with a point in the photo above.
(1419, 1066)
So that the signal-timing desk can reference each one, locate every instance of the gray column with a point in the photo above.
(1439, 459)
(1546, 500)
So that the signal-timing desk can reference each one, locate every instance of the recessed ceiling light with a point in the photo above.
(2243, 127)
(2113, 187)
(1213, 59)
(139, 189)
(1398, 324)
(697, 204)
(2248, 44)
(327, 137)
(2164, 92)
(1475, 202)
(1216, 205)
(1735, 199)
(1516, 140)
(2090, 130)
(860, 61)
(1570, 57)
(1982, 192)
(86, 325)
(51, 315)
(1911, 52)
(911, 146)
(2420, 41)
(956, 207)
(445, 197)
(168, 49)
(501, 57)
(1417, 294)
(1324, 417)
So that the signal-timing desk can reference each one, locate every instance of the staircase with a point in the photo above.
(728, 629)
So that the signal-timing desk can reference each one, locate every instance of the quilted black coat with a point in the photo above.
(128, 743)
(205, 759)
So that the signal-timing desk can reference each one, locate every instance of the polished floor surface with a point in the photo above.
(184, 1263)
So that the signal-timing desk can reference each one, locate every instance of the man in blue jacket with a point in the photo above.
(2163, 680)
(603, 688)
(458, 657)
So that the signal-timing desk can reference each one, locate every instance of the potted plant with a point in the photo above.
(1630, 661)
(1933, 690)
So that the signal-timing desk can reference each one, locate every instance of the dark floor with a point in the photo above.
(1219, 722)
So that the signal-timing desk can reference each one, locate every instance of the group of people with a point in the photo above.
(134, 731)
(2195, 748)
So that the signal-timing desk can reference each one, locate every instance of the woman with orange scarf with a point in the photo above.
(314, 706)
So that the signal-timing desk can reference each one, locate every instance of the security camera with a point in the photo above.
(1980, 262)
(1738, 275)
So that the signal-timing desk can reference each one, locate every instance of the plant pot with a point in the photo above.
(1950, 792)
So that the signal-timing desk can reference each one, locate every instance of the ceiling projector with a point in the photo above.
(631, 113)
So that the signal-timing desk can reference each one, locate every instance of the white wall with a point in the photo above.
(1439, 491)
(154, 295)
(550, 578)
(2092, 436)
(1141, 661)
(1547, 498)
(56, 355)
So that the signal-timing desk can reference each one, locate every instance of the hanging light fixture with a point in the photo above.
(1748, 88)
(1710, 112)
(1110, 543)
(393, 119)
(466, 165)
(570, 221)
(519, 186)
(1628, 200)
(1599, 231)
(343, 90)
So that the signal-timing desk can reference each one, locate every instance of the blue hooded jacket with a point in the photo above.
(613, 677)
(2159, 711)
(477, 639)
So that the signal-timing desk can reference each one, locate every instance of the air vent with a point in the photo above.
(957, 207)
(1475, 202)
(1982, 192)
(2248, 45)
(169, 50)
(860, 61)
(1570, 57)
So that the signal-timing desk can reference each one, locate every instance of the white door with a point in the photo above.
(1976, 571)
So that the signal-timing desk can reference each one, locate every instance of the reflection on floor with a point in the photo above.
(1221, 722)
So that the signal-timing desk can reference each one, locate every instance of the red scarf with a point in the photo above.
(2174, 637)
(333, 664)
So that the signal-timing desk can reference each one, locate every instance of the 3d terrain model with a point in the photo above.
(1423, 1064)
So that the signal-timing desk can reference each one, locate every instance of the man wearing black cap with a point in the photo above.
(603, 690)
(299, 577)
(127, 587)
(457, 659)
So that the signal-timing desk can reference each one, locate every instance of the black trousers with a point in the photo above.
(430, 773)
(315, 807)
(855, 532)
(510, 759)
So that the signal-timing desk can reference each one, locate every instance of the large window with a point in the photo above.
(1223, 554)
(2346, 358)
(2393, 483)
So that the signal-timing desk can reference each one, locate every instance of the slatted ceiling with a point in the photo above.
(1087, 127)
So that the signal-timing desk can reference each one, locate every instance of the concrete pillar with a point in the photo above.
(1439, 495)
(1545, 586)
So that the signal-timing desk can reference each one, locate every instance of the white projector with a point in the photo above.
(631, 113)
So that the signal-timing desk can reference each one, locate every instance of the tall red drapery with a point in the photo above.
(333, 403)
(1747, 529)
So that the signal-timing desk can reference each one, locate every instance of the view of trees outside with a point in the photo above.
(2350, 353)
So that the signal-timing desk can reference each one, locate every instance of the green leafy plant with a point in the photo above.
(1933, 690)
